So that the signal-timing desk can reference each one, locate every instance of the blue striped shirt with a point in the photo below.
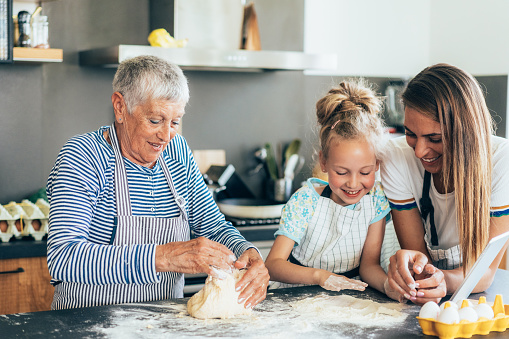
(81, 192)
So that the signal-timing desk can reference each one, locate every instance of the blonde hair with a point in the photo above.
(350, 111)
(454, 98)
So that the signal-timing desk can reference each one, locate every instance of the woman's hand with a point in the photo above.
(411, 276)
(199, 255)
(333, 282)
(255, 281)
(392, 293)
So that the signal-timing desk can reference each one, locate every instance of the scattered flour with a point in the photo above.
(312, 315)
(345, 308)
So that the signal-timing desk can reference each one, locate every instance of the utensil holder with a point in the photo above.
(280, 189)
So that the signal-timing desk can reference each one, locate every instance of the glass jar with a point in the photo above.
(40, 32)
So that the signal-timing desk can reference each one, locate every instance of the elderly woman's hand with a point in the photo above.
(199, 255)
(410, 275)
(255, 281)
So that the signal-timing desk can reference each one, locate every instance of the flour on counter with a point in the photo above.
(345, 308)
(312, 315)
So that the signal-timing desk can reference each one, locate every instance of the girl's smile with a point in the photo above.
(351, 166)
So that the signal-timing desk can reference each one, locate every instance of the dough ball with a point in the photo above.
(218, 298)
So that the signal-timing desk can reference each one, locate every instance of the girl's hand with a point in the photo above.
(339, 282)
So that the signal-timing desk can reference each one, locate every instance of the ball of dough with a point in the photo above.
(218, 298)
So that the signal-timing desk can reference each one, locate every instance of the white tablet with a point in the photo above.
(481, 265)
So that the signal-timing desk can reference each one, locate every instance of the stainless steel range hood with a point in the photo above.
(213, 60)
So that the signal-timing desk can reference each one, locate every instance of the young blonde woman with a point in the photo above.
(447, 183)
(332, 232)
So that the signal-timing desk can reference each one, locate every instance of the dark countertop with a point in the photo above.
(23, 248)
(275, 317)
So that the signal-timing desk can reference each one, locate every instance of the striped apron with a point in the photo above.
(334, 237)
(130, 230)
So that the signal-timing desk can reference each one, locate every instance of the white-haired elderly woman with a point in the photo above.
(125, 198)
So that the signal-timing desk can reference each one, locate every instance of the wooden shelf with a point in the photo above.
(37, 54)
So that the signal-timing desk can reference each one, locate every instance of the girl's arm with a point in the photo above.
(280, 269)
(370, 269)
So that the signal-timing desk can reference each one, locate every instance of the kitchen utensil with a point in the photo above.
(290, 166)
(293, 148)
(250, 208)
(480, 266)
(280, 189)
(271, 162)
(250, 31)
(261, 155)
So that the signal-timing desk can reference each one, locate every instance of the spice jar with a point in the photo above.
(40, 38)
(24, 29)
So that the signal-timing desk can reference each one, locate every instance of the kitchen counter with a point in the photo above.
(272, 318)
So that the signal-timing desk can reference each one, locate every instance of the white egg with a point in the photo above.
(468, 313)
(449, 316)
(485, 311)
(429, 310)
(460, 303)
(451, 304)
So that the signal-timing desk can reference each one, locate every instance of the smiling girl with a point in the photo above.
(326, 226)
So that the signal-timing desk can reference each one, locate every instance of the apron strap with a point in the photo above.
(181, 202)
(428, 209)
(123, 199)
(349, 274)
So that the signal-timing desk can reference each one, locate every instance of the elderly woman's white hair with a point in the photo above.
(147, 77)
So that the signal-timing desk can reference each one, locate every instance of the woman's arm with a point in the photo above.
(413, 261)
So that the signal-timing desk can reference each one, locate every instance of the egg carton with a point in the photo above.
(24, 213)
(466, 329)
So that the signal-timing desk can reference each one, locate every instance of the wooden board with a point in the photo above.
(37, 54)
(28, 291)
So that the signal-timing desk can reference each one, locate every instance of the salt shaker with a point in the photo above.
(24, 29)
(40, 38)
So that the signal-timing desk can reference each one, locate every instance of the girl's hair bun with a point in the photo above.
(349, 97)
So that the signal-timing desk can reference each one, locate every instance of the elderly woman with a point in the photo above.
(446, 182)
(125, 198)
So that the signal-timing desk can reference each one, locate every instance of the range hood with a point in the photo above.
(213, 60)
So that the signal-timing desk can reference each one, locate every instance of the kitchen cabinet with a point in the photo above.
(27, 287)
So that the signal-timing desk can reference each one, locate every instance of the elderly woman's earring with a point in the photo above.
(119, 119)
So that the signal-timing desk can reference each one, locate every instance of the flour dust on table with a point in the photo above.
(316, 315)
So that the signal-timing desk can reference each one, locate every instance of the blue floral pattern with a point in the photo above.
(299, 210)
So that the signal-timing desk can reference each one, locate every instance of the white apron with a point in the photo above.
(130, 230)
(334, 237)
(444, 259)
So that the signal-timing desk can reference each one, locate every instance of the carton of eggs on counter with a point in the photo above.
(24, 219)
(451, 320)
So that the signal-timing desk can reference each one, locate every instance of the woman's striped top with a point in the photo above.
(81, 192)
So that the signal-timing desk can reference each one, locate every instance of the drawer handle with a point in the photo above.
(19, 270)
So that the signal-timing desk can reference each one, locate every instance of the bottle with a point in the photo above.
(40, 38)
(24, 29)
